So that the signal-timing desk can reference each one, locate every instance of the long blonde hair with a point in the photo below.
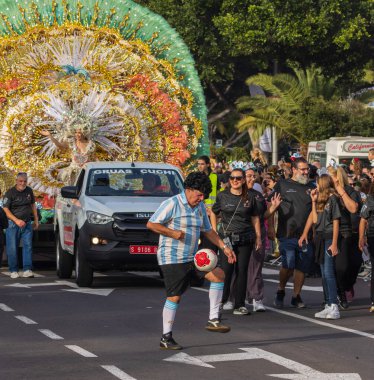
(325, 190)
(340, 174)
(257, 154)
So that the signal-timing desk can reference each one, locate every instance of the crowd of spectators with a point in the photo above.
(335, 226)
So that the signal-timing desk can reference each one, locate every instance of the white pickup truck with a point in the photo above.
(100, 223)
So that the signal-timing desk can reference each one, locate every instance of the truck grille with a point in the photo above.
(136, 236)
(132, 217)
(131, 228)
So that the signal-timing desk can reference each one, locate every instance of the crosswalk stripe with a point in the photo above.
(81, 351)
(26, 320)
(4, 307)
(50, 334)
(115, 371)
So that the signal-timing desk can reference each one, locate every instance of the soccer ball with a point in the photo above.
(205, 260)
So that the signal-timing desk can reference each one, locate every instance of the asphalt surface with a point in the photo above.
(52, 330)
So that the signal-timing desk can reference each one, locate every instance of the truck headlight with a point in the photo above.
(96, 218)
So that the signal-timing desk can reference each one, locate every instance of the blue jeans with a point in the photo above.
(293, 257)
(328, 276)
(13, 236)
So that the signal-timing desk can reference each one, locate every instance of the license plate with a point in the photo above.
(143, 249)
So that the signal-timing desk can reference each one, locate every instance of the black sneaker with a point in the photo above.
(297, 302)
(342, 301)
(168, 343)
(215, 325)
(279, 297)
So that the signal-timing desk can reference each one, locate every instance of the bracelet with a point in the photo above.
(224, 247)
(342, 195)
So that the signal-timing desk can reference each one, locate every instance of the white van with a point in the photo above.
(341, 149)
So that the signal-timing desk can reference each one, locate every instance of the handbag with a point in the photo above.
(226, 238)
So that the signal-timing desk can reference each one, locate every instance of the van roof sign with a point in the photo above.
(357, 147)
(321, 146)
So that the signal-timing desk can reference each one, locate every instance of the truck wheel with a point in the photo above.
(64, 260)
(83, 271)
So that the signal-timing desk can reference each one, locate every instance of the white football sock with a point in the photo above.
(168, 315)
(215, 298)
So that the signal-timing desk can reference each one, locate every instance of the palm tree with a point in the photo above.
(281, 108)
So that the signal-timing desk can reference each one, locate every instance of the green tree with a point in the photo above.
(282, 108)
(222, 74)
(336, 35)
(233, 39)
(193, 21)
(322, 120)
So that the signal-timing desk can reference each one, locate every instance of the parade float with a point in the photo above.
(112, 71)
(109, 72)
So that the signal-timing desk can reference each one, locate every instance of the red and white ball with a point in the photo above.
(205, 260)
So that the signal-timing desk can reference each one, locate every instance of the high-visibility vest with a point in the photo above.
(213, 195)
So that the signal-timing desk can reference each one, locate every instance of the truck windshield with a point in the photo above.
(134, 182)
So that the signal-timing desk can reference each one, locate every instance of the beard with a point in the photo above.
(302, 179)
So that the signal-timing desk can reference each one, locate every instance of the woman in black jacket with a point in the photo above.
(240, 226)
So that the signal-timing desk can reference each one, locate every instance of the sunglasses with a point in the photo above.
(238, 178)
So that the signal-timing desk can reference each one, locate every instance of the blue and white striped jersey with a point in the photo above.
(176, 214)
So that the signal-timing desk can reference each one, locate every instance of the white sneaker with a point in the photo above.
(333, 312)
(228, 305)
(14, 275)
(28, 274)
(241, 311)
(322, 314)
(258, 305)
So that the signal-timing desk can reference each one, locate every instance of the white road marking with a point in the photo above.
(37, 275)
(81, 351)
(115, 371)
(303, 371)
(50, 334)
(95, 292)
(336, 327)
(67, 283)
(20, 285)
(77, 289)
(26, 320)
(4, 307)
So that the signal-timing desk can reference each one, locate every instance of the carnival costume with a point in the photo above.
(121, 75)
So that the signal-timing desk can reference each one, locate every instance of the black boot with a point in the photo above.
(342, 300)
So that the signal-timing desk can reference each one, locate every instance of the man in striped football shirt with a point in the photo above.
(179, 221)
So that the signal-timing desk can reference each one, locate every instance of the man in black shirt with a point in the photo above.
(19, 207)
(293, 213)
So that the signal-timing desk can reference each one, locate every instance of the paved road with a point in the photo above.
(52, 330)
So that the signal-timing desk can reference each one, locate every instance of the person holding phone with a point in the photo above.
(325, 215)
